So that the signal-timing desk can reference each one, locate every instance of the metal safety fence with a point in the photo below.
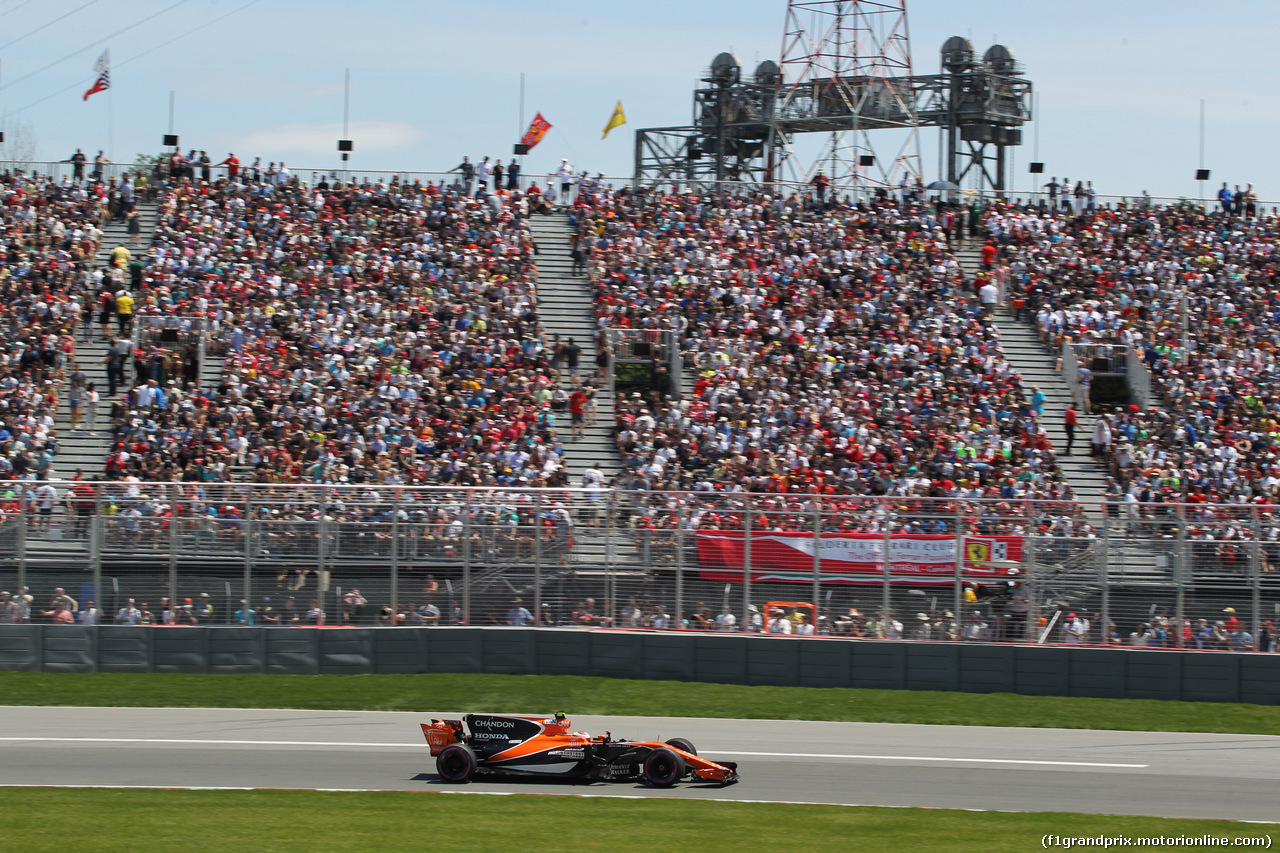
(891, 567)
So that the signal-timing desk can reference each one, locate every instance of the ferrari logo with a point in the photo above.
(980, 551)
(977, 552)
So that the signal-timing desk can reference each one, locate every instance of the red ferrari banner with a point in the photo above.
(537, 129)
(850, 557)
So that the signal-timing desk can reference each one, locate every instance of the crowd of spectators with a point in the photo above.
(387, 334)
(374, 333)
(839, 350)
(1193, 292)
(50, 231)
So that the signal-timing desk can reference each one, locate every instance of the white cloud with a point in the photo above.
(320, 140)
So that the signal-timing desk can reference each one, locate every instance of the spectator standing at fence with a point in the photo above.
(498, 172)
(564, 175)
(779, 623)
(233, 167)
(99, 163)
(1053, 186)
(129, 614)
(353, 606)
(1224, 199)
(468, 172)
(89, 614)
(20, 606)
(429, 613)
(77, 161)
(1267, 637)
(513, 176)
(244, 615)
(820, 183)
(518, 615)
(1072, 629)
(81, 499)
(61, 601)
(46, 499)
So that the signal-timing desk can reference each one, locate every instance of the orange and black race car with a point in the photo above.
(544, 746)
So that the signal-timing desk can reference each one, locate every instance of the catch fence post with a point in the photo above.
(466, 559)
(395, 558)
(959, 569)
(746, 561)
(1255, 580)
(537, 582)
(537, 553)
(679, 563)
(886, 598)
(95, 551)
(1180, 568)
(1104, 572)
(248, 555)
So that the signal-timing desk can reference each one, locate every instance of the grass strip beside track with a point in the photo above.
(586, 695)
(37, 819)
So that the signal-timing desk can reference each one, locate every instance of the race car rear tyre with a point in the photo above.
(456, 764)
(663, 768)
(682, 744)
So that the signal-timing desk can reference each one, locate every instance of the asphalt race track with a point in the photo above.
(1147, 773)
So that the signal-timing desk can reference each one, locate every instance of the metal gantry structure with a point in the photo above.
(845, 71)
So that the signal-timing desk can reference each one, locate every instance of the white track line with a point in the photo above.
(344, 744)
(349, 744)
(928, 758)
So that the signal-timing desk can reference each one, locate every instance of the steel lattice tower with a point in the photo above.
(847, 58)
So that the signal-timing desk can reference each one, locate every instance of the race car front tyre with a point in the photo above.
(663, 768)
(682, 744)
(456, 763)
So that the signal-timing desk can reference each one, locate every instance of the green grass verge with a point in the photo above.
(584, 695)
(39, 819)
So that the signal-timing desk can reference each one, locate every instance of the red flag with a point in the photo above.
(537, 129)
(103, 69)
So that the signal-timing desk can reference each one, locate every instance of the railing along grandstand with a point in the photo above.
(894, 567)
(866, 191)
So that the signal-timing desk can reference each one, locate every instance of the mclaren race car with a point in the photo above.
(544, 746)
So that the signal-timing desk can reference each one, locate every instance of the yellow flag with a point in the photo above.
(618, 118)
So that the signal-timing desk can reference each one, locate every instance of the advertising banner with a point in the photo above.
(852, 557)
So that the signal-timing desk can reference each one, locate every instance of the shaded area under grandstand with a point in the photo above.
(1162, 774)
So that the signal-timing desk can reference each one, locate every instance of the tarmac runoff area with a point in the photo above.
(874, 764)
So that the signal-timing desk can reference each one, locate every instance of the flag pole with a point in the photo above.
(111, 124)
(520, 129)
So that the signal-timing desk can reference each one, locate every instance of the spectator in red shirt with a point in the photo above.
(577, 410)
(988, 256)
(1069, 421)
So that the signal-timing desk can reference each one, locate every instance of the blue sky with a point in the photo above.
(1119, 82)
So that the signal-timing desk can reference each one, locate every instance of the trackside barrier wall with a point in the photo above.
(735, 659)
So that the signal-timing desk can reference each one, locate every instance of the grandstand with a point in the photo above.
(368, 383)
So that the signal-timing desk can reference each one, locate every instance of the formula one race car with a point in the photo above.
(537, 746)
